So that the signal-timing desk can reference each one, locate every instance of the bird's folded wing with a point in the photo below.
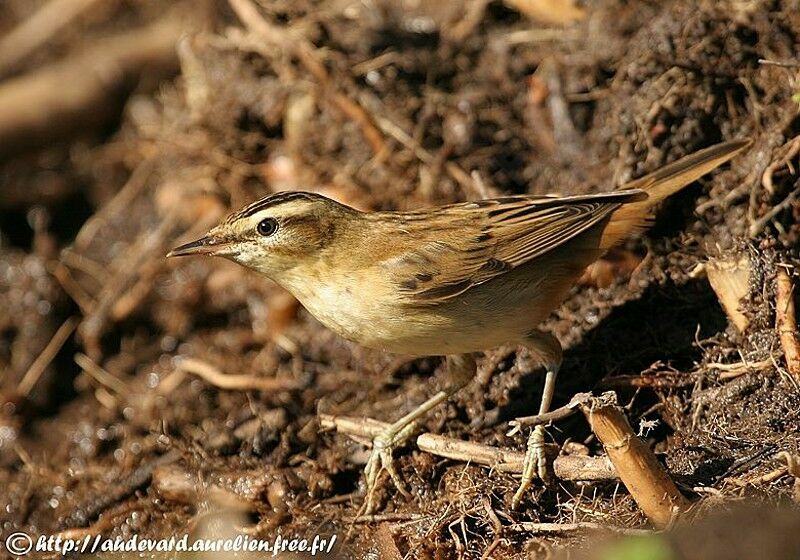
(465, 245)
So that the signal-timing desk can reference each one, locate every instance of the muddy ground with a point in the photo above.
(389, 104)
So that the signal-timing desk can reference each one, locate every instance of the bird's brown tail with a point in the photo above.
(662, 183)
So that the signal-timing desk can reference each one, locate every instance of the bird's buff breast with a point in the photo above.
(478, 321)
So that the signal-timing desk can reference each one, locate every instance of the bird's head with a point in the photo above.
(275, 234)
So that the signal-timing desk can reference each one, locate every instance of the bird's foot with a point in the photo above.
(383, 445)
(535, 463)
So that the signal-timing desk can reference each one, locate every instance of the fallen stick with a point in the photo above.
(351, 425)
(567, 467)
(85, 91)
(38, 29)
(637, 466)
(730, 279)
(786, 321)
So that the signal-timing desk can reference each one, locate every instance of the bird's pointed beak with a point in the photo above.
(207, 245)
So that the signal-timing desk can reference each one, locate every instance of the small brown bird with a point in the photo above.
(451, 280)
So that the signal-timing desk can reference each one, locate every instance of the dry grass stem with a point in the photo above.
(39, 365)
(352, 426)
(101, 375)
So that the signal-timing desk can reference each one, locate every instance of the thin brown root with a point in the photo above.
(758, 226)
(221, 380)
(732, 371)
(307, 54)
(557, 528)
(790, 151)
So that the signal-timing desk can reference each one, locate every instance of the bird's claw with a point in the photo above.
(383, 445)
(535, 463)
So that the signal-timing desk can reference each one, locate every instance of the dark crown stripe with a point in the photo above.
(274, 200)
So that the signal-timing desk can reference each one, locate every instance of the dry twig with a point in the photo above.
(567, 467)
(559, 12)
(638, 468)
(307, 54)
(38, 29)
(786, 321)
(553, 416)
(730, 280)
(84, 91)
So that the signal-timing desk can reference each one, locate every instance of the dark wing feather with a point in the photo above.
(478, 241)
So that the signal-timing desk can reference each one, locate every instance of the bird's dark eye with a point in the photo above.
(267, 227)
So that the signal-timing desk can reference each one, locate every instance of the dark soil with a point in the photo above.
(463, 110)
